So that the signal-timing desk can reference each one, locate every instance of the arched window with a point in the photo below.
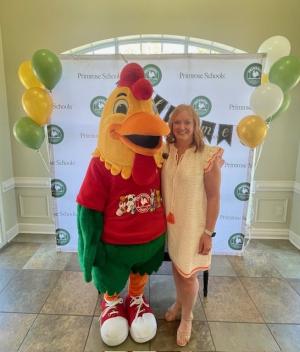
(153, 44)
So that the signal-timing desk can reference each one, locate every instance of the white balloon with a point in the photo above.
(275, 47)
(266, 100)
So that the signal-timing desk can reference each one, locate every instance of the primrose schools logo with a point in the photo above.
(58, 188)
(97, 105)
(62, 237)
(236, 241)
(153, 74)
(202, 105)
(55, 134)
(252, 74)
(242, 191)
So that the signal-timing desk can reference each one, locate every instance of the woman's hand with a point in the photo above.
(205, 244)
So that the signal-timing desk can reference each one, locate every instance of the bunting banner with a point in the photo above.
(217, 86)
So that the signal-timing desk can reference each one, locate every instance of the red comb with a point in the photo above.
(132, 76)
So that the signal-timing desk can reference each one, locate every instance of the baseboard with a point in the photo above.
(35, 238)
(11, 233)
(294, 239)
(269, 233)
(37, 228)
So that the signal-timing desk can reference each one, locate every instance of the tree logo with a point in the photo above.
(236, 241)
(58, 188)
(55, 134)
(202, 105)
(153, 74)
(62, 237)
(252, 75)
(97, 105)
(242, 191)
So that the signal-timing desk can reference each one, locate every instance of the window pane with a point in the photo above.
(151, 48)
(108, 50)
(130, 48)
(173, 48)
(197, 50)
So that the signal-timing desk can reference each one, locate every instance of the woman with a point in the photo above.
(191, 180)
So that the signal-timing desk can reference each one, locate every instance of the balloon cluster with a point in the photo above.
(37, 75)
(271, 98)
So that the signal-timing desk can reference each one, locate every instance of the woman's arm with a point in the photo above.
(212, 183)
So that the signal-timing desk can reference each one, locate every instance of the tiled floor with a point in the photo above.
(253, 303)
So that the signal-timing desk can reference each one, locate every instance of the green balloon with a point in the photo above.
(283, 107)
(285, 72)
(47, 67)
(29, 133)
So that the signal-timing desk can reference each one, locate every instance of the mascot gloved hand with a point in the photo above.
(121, 220)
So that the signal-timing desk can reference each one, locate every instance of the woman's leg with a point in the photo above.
(188, 288)
(174, 311)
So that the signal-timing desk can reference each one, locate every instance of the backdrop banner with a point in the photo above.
(219, 88)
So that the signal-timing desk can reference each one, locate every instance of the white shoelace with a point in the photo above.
(140, 302)
(111, 307)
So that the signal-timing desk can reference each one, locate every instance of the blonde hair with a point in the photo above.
(198, 141)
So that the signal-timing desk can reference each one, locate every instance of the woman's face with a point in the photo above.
(183, 127)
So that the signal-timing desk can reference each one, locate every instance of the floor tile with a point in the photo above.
(48, 258)
(276, 300)
(221, 266)
(271, 246)
(254, 264)
(287, 336)
(13, 329)
(165, 269)
(287, 264)
(242, 337)
(295, 283)
(28, 290)
(165, 339)
(160, 302)
(5, 276)
(16, 255)
(71, 295)
(57, 333)
(73, 263)
(228, 300)
(95, 344)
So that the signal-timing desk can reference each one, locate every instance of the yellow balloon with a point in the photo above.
(264, 78)
(252, 130)
(27, 77)
(38, 105)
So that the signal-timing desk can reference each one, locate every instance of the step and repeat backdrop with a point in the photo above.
(217, 86)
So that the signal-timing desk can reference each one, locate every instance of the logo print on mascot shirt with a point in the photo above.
(55, 134)
(252, 74)
(202, 105)
(242, 191)
(58, 188)
(62, 237)
(153, 74)
(97, 105)
(236, 241)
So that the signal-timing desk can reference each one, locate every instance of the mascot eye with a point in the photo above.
(120, 107)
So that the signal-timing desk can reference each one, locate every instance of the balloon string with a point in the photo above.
(43, 160)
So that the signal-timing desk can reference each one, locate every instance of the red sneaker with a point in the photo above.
(113, 322)
(140, 318)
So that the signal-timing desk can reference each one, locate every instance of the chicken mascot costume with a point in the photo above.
(121, 220)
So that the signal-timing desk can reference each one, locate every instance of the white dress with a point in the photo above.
(185, 198)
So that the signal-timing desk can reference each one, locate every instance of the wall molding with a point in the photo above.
(26, 182)
(297, 187)
(36, 228)
(268, 233)
(275, 186)
(294, 239)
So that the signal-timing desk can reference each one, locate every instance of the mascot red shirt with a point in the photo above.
(121, 220)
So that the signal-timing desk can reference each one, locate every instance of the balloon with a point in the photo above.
(275, 47)
(266, 99)
(37, 104)
(285, 72)
(29, 133)
(252, 130)
(47, 67)
(27, 77)
(284, 106)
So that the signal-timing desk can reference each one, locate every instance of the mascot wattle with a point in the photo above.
(121, 220)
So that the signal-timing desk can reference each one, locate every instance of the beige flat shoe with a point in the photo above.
(173, 312)
(184, 332)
